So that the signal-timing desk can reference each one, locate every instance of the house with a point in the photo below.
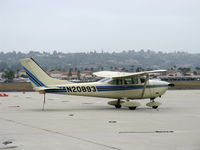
(1, 75)
(174, 73)
(21, 73)
(55, 74)
(64, 76)
(189, 74)
(74, 75)
(86, 74)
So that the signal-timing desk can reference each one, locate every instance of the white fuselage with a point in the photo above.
(153, 89)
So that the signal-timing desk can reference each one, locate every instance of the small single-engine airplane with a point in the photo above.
(122, 86)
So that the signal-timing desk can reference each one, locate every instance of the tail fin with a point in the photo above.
(38, 77)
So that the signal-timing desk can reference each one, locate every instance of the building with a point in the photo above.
(21, 73)
(56, 74)
(86, 74)
(174, 73)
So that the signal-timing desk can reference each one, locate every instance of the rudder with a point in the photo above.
(38, 77)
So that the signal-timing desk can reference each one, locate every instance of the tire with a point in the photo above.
(118, 106)
(132, 108)
(155, 107)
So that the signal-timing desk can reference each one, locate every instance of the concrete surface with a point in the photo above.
(82, 123)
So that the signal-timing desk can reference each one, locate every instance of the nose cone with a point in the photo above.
(169, 84)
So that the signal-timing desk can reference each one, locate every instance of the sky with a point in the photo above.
(108, 25)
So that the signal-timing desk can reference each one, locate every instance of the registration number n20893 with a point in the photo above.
(81, 89)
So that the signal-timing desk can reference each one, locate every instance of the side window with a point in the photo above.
(134, 80)
(142, 79)
(116, 82)
(131, 80)
(119, 81)
(127, 81)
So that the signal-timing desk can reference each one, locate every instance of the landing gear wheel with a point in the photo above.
(153, 104)
(155, 107)
(118, 106)
(132, 108)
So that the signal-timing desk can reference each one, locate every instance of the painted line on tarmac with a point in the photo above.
(59, 133)
(158, 131)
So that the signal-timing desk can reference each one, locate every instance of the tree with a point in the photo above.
(184, 70)
(70, 72)
(9, 75)
(92, 69)
(139, 69)
(132, 68)
(197, 69)
(79, 74)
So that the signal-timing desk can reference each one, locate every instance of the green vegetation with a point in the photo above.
(15, 87)
(130, 60)
(9, 75)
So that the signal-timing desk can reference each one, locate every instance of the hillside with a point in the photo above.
(127, 60)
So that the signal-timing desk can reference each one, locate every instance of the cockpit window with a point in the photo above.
(104, 79)
(125, 81)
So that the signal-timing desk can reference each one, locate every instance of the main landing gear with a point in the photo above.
(129, 104)
(153, 104)
(117, 104)
(132, 105)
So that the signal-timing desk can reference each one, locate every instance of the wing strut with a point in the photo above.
(145, 85)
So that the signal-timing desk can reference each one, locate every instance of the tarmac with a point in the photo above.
(88, 123)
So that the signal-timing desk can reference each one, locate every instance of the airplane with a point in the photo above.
(123, 86)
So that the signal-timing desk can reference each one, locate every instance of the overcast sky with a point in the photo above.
(109, 25)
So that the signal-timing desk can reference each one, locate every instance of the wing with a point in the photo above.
(116, 75)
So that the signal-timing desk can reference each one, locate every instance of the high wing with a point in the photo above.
(117, 75)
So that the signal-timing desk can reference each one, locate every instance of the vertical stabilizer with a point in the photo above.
(38, 77)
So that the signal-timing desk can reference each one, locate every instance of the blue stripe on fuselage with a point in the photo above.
(123, 88)
(108, 88)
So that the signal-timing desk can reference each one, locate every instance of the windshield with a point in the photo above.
(104, 79)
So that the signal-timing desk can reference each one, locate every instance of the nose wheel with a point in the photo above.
(154, 107)
(132, 108)
(118, 106)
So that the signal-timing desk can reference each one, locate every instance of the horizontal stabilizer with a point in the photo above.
(42, 88)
